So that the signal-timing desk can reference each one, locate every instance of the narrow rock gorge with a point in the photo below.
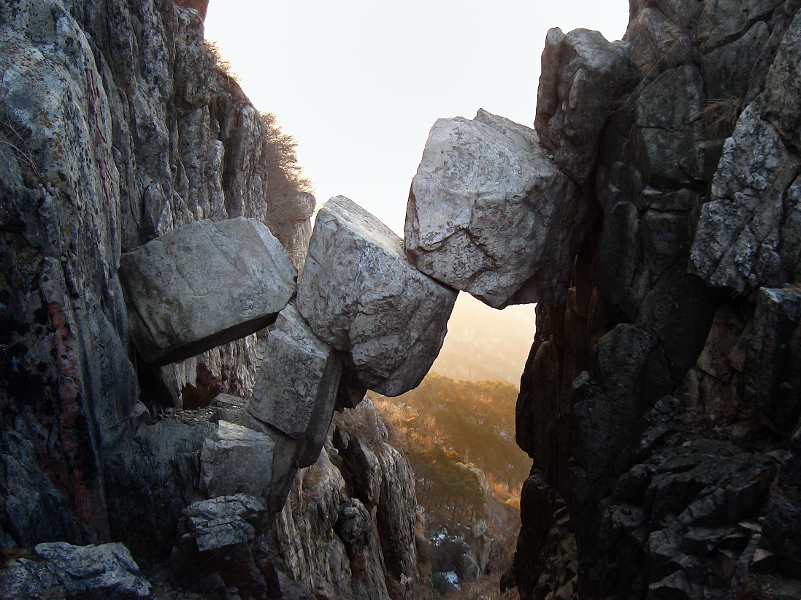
(183, 413)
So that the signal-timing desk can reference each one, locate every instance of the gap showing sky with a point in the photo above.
(360, 83)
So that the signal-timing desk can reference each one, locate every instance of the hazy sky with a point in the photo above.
(359, 83)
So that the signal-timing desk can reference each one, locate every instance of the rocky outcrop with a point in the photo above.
(60, 570)
(116, 127)
(748, 233)
(583, 77)
(361, 295)
(348, 523)
(658, 401)
(489, 213)
(176, 284)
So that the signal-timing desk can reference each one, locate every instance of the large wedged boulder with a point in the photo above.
(362, 296)
(176, 284)
(297, 384)
(490, 214)
(583, 76)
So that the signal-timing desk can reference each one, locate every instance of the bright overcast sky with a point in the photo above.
(359, 84)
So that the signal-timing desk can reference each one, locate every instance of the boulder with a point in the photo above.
(489, 213)
(362, 296)
(738, 243)
(61, 570)
(236, 460)
(176, 285)
(217, 549)
(297, 383)
(583, 76)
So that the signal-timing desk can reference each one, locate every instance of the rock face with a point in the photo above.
(658, 402)
(360, 295)
(754, 208)
(116, 127)
(489, 213)
(176, 284)
(583, 76)
(348, 524)
(297, 385)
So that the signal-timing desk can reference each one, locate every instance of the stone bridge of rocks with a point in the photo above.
(489, 213)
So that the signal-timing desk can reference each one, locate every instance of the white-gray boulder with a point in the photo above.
(361, 295)
(297, 384)
(205, 284)
(489, 213)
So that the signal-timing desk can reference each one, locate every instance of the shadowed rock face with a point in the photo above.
(583, 78)
(362, 296)
(651, 402)
(204, 285)
(490, 214)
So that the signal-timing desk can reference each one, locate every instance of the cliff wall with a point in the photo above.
(116, 127)
(660, 401)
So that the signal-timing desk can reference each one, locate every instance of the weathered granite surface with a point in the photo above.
(583, 77)
(348, 523)
(657, 402)
(490, 214)
(362, 296)
(297, 385)
(61, 570)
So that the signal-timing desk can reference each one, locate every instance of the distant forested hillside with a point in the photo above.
(446, 422)
(484, 344)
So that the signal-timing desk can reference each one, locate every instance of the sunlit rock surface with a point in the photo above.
(490, 214)
(362, 296)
